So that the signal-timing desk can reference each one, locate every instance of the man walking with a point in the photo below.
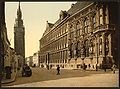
(58, 70)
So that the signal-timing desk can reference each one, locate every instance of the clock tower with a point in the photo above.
(19, 37)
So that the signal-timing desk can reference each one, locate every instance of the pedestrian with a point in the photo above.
(58, 70)
(89, 66)
(48, 67)
(105, 67)
(113, 68)
(84, 66)
(96, 67)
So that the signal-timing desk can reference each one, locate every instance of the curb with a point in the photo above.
(11, 80)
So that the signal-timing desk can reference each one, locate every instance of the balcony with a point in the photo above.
(106, 27)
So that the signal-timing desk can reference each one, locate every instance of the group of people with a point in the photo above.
(113, 68)
(28, 72)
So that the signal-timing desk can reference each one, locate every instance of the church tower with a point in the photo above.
(19, 36)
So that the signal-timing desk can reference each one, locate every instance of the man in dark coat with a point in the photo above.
(58, 70)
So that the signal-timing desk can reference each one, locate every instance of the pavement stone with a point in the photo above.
(94, 80)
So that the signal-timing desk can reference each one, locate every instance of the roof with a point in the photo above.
(50, 25)
(74, 8)
(78, 6)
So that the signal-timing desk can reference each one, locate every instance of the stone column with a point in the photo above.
(96, 45)
(97, 48)
(98, 41)
(75, 40)
(109, 37)
(103, 44)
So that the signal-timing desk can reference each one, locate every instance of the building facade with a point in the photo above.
(86, 33)
(35, 59)
(19, 35)
(29, 61)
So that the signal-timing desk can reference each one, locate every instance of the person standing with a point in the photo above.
(58, 70)
(89, 66)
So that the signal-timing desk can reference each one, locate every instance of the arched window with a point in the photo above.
(86, 26)
(107, 45)
(78, 29)
(101, 16)
(94, 21)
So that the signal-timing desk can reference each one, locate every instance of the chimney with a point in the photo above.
(72, 5)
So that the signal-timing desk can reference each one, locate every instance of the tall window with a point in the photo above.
(78, 29)
(78, 44)
(107, 45)
(86, 26)
(94, 21)
(101, 16)
(94, 47)
(100, 51)
(106, 15)
(86, 48)
(72, 51)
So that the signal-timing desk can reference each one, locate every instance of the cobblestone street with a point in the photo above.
(74, 78)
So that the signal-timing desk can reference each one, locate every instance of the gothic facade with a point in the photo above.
(19, 36)
(86, 33)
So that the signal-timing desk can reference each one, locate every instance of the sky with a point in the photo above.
(34, 15)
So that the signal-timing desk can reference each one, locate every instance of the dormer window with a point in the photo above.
(63, 14)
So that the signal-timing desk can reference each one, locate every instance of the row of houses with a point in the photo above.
(9, 60)
(33, 60)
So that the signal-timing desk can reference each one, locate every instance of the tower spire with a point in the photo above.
(19, 13)
(19, 4)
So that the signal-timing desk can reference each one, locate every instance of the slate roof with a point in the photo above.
(75, 8)
(50, 25)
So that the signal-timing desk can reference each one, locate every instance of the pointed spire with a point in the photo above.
(19, 14)
(19, 5)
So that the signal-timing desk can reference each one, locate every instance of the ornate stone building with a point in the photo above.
(19, 36)
(86, 33)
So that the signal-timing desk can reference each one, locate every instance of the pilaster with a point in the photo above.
(103, 44)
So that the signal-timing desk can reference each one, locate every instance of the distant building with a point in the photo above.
(19, 36)
(4, 50)
(86, 33)
(13, 60)
(36, 59)
(29, 61)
